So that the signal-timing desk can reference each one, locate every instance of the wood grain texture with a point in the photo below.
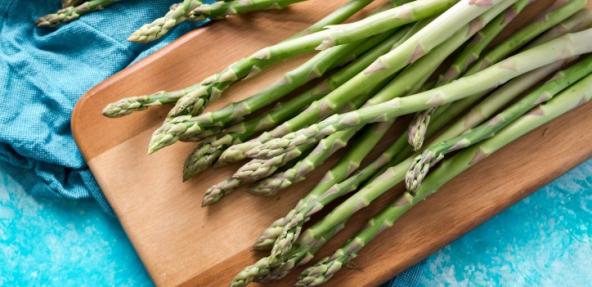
(182, 244)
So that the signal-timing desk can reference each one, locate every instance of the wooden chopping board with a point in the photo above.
(182, 244)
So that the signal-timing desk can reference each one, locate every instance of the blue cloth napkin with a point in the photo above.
(43, 72)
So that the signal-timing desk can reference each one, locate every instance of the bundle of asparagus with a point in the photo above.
(429, 57)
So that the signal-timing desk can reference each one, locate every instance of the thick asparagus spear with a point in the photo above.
(198, 92)
(434, 154)
(71, 13)
(328, 104)
(223, 9)
(468, 56)
(566, 47)
(576, 23)
(575, 96)
(178, 14)
(211, 148)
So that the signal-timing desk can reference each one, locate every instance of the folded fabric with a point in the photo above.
(43, 72)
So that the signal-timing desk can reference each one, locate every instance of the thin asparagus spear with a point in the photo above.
(222, 9)
(578, 22)
(328, 104)
(566, 47)
(178, 14)
(434, 154)
(575, 96)
(210, 149)
(564, 10)
(72, 13)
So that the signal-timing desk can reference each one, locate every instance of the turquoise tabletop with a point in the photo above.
(544, 240)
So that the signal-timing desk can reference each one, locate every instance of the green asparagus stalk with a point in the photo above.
(576, 23)
(72, 13)
(575, 96)
(431, 156)
(566, 47)
(223, 9)
(315, 202)
(407, 77)
(522, 37)
(196, 94)
(413, 75)
(328, 104)
(210, 149)
(178, 14)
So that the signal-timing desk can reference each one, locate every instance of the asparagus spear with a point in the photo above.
(431, 156)
(223, 9)
(198, 91)
(328, 104)
(178, 14)
(575, 96)
(468, 56)
(576, 23)
(72, 13)
(566, 47)
(210, 149)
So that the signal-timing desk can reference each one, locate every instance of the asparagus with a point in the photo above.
(565, 47)
(72, 13)
(577, 22)
(210, 149)
(312, 204)
(223, 9)
(415, 74)
(575, 96)
(178, 14)
(522, 37)
(328, 104)
(198, 91)
(278, 146)
(431, 156)
(468, 56)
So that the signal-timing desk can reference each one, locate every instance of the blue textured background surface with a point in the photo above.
(545, 240)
